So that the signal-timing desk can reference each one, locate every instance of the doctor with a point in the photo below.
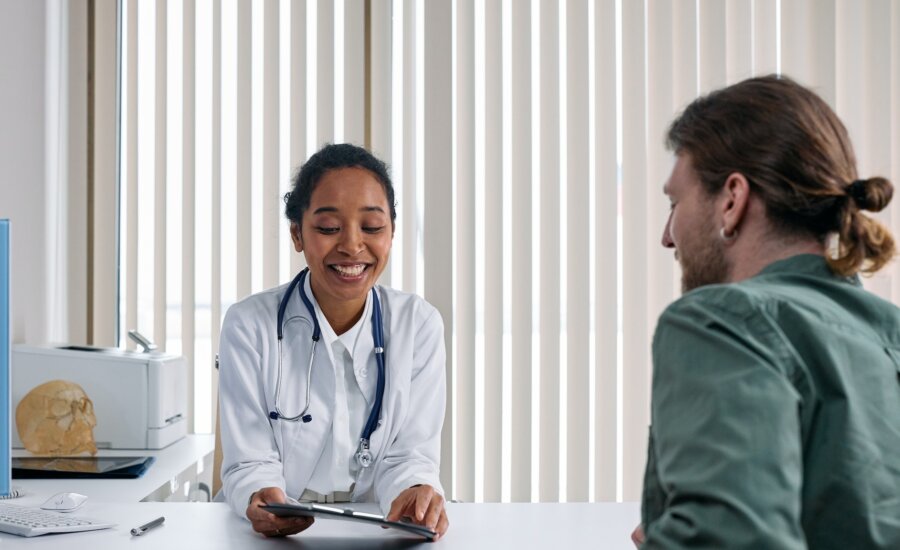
(332, 389)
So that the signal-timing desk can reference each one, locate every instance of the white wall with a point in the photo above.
(42, 169)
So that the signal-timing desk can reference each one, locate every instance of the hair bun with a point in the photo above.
(871, 194)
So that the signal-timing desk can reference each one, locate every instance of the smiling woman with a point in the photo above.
(363, 437)
(346, 239)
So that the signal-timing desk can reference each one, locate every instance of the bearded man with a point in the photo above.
(776, 383)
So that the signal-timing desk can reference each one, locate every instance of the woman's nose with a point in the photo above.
(351, 242)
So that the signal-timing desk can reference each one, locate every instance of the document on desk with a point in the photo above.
(329, 512)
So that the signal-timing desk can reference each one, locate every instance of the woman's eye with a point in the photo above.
(327, 230)
(373, 229)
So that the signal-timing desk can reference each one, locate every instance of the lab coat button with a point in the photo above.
(363, 372)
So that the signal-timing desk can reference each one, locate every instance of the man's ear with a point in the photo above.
(296, 237)
(735, 200)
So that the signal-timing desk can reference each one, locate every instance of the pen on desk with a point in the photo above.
(138, 531)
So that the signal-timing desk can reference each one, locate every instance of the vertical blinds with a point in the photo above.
(525, 141)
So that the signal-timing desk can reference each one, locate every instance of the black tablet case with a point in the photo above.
(79, 467)
(327, 512)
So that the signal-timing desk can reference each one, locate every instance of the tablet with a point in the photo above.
(122, 467)
(329, 512)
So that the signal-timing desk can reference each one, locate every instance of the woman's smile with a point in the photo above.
(350, 272)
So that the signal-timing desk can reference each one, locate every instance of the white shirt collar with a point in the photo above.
(349, 338)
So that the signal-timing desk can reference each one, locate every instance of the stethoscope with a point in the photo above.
(363, 455)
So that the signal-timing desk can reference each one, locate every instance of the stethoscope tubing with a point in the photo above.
(277, 414)
(363, 455)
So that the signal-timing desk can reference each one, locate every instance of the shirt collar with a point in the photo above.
(349, 338)
(806, 264)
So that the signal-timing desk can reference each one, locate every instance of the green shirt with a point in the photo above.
(776, 415)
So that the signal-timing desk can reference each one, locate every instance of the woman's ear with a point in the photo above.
(735, 200)
(296, 237)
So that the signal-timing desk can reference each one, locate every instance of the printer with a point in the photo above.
(140, 399)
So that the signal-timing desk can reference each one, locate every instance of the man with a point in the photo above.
(776, 384)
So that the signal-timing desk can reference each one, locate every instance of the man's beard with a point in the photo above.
(706, 264)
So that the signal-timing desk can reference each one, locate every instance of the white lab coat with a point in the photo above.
(259, 452)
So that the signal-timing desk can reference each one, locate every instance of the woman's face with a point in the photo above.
(345, 236)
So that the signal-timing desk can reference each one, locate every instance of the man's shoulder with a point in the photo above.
(791, 303)
(729, 300)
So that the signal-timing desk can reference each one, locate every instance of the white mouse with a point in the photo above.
(64, 502)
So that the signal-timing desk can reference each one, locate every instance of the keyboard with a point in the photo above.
(30, 522)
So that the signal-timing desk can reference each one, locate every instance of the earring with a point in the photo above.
(728, 238)
(833, 245)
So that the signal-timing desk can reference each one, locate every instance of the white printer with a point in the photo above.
(139, 399)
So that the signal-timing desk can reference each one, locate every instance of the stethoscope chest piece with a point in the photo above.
(364, 455)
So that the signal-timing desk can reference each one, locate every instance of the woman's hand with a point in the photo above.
(268, 523)
(421, 505)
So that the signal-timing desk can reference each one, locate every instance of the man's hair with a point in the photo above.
(797, 156)
(333, 157)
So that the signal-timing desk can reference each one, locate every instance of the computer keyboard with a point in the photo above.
(30, 522)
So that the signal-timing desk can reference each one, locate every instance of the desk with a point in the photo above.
(182, 464)
(197, 526)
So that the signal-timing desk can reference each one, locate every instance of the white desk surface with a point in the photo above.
(197, 526)
(170, 462)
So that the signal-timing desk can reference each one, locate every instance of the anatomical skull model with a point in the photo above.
(57, 419)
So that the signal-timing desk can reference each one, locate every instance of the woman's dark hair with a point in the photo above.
(333, 156)
(797, 156)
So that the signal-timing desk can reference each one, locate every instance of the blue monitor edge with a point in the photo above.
(6, 490)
